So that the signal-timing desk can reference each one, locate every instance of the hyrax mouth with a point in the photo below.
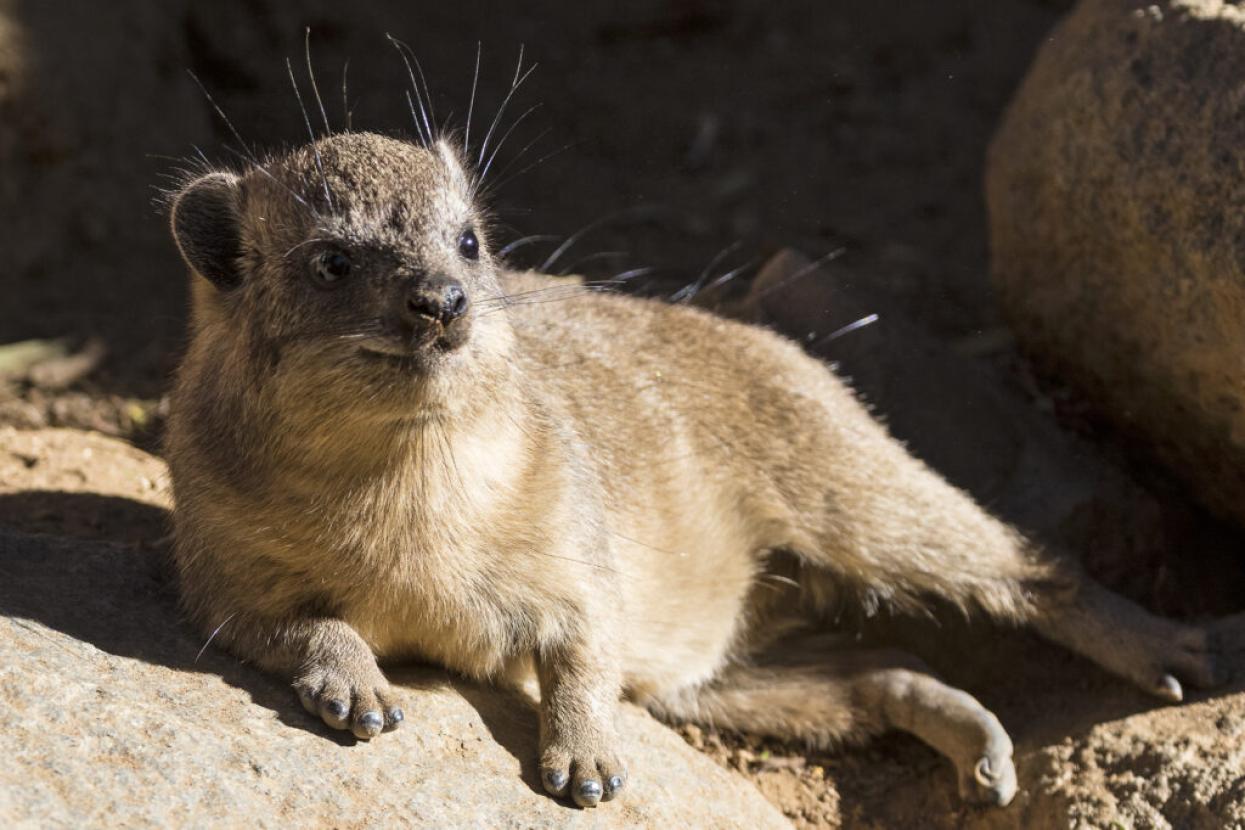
(428, 316)
(412, 345)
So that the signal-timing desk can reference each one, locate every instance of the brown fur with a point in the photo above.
(619, 496)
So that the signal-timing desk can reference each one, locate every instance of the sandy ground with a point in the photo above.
(706, 134)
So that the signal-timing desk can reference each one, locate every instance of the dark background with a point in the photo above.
(762, 124)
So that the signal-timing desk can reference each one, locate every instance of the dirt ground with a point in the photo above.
(702, 136)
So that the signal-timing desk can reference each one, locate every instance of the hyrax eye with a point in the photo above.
(468, 245)
(331, 267)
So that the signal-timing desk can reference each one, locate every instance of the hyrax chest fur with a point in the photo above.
(384, 445)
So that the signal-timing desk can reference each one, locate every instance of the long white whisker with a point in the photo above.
(688, 291)
(424, 129)
(471, 104)
(519, 155)
(589, 228)
(730, 275)
(249, 153)
(345, 94)
(501, 110)
(527, 240)
(212, 636)
(868, 319)
(502, 142)
(315, 150)
(311, 75)
(803, 272)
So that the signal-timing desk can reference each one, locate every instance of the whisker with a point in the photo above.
(301, 244)
(868, 319)
(212, 636)
(471, 104)
(645, 544)
(536, 163)
(311, 76)
(730, 275)
(345, 95)
(552, 294)
(315, 150)
(432, 110)
(803, 272)
(419, 130)
(501, 143)
(267, 174)
(249, 153)
(515, 80)
(635, 272)
(360, 331)
(688, 291)
(526, 240)
(639, 210)
(582, 261)
(422, 95)
(501, 110)
(424, 130)
(517, 157)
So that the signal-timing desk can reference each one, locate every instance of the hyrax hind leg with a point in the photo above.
(890, 527)
(846, 697)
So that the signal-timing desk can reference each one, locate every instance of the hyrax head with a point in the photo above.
(358, 256)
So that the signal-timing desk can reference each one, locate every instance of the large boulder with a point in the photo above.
(115, 715)
(1115, 188)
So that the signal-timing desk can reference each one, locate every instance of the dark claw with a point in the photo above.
(394, 717)
(371, 722)
(336, 708)
(616, 783)
(590, 791)
(556, 779)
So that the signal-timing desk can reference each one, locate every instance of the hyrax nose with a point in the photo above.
(438, 298)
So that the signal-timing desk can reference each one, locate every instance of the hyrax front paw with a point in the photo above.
(356, 698)
(588, 772)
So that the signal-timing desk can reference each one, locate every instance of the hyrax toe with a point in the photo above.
(587, 778)
(364, 705)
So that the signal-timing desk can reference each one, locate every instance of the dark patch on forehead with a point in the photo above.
(399, 216)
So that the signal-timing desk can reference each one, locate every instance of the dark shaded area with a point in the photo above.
(813, 125)
(113, 587)
(97, 568)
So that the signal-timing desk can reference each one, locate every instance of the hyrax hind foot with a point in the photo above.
(587, 771)
(350, 695)
(1154, 653)
(991, 778)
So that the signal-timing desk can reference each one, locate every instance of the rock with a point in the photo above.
(1114, 189)
(115, 715)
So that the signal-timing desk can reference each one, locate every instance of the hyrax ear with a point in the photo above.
(207, 227)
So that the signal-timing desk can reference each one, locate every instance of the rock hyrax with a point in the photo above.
(383, 445)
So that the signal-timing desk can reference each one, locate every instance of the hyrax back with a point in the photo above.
(383, 445)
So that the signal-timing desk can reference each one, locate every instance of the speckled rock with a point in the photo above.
(113, 716)
(1115, 188)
